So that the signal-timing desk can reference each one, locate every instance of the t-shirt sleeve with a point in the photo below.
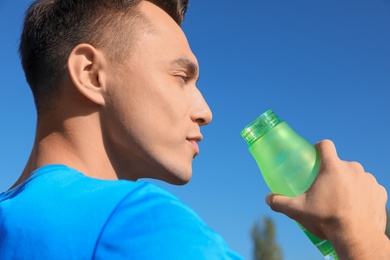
(150, 223)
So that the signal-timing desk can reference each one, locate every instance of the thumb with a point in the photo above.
(289, 206)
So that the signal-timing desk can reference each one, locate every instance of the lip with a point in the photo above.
(194, 143)
(195, 146)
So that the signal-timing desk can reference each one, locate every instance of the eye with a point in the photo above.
(182, 78)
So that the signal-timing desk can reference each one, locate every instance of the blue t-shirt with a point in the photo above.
(59, 213)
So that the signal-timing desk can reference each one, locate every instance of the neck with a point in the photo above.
(73, 142)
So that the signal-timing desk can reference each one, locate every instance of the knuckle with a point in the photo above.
(372, 178)
(384, 193)
(356, 166)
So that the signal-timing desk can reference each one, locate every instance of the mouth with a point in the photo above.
(194, 143)
(195, 146)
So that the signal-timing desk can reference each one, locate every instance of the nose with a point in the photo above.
(201, 112)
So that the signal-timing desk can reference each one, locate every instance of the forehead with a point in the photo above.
(164, 37)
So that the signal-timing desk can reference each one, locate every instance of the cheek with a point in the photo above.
(149, 106)
(167, 107)
(163, 128)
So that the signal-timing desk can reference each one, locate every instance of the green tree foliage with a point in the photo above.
(265, 246)
(388, 224)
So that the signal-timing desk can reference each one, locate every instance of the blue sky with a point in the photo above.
(322, 65)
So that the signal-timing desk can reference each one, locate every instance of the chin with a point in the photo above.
(181, 182)
(176, 178)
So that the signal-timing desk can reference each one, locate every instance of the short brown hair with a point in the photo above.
(52, 28)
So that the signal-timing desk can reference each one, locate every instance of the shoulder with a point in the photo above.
(151, 223)
(64, 206)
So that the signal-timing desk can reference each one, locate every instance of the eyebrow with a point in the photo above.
(186, 63)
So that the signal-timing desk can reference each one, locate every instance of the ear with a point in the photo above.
(85, 66)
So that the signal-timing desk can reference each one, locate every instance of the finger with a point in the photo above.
(327, 150)
(291, 207)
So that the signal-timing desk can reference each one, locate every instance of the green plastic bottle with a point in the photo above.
(288, 163)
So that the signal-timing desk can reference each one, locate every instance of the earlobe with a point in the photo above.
(85, 70)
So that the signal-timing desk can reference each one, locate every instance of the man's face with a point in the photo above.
(153, 109)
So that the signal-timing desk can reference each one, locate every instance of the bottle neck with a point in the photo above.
(258, 127)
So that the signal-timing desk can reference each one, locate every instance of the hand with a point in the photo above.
(345, 204)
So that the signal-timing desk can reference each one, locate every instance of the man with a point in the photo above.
(114, 83)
